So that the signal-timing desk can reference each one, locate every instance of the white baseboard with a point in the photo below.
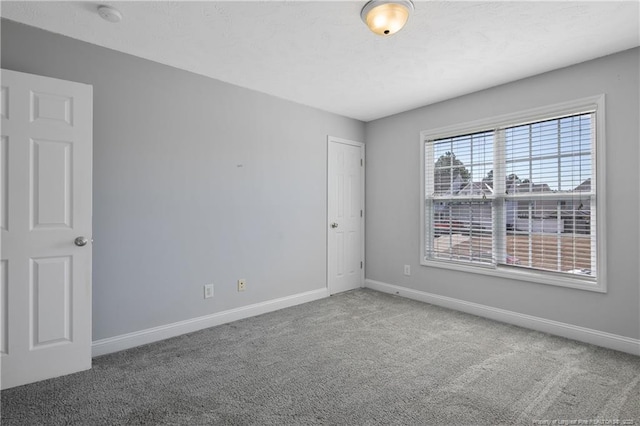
(143, 337)
(595, 337)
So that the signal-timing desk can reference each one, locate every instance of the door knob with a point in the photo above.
(81, 241)
(334, 225)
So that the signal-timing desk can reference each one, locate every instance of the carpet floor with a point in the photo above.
(357, 358)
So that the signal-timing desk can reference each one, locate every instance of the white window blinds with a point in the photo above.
(517, 196)
(549, 200)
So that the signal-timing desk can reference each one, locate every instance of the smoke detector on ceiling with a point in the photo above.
(110, 14)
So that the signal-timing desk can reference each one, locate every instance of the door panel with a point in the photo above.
(51, 184)
(4, 308)
(4, 182)
(46, 203)
(345, 255)
(51, 303)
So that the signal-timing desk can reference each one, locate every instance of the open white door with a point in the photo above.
(45, 208)
(345, 218)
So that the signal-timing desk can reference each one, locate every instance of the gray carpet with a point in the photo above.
(358, 358)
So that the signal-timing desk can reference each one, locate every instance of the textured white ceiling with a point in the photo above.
(320, 53)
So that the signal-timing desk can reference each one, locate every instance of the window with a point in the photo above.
(517, 196)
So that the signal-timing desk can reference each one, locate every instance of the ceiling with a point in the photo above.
(319, 53)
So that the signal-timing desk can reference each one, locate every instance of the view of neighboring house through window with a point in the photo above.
(515, 197)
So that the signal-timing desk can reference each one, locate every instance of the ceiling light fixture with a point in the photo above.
(386, 17)
(110, 14)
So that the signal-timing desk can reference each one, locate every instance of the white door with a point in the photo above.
(45, 182)
(345, 224)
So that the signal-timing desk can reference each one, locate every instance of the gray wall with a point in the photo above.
(195, 181)
(393, 197)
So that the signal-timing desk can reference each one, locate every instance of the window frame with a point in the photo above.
(594, 104)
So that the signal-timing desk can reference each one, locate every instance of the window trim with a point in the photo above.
(592, 103)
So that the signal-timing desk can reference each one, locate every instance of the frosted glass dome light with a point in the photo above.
(386, 17)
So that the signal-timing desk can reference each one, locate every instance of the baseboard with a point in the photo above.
(143, 337)
(587, 335)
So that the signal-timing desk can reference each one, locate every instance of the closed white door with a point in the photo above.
(45, 172)
(345, 224)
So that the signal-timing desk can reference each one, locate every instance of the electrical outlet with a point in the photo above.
(208, 291)
(242, 284)
(407, 270)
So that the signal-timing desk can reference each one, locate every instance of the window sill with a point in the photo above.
(523, 275)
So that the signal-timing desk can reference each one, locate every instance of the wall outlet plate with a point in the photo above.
(208, 291)
(407, 270)
(242, 284)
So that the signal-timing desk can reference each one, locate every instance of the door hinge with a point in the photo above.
(360, 213)
(360, 265)
(361, 162)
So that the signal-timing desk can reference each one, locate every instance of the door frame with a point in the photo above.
(361, 145)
